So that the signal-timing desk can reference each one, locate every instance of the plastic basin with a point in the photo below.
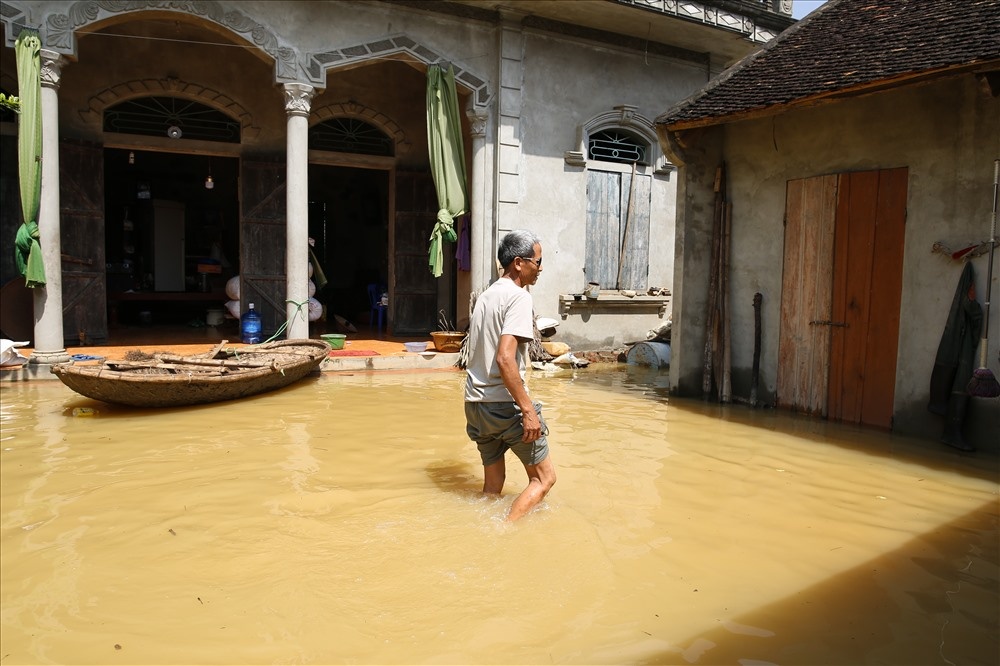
(335, 340)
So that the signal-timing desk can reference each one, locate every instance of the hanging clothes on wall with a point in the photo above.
(956, 352)
(463, 251)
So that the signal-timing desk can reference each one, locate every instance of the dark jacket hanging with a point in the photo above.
(956, 353)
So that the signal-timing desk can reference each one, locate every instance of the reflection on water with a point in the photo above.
(339, 521)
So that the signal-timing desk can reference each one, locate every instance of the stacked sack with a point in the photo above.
(314, 307)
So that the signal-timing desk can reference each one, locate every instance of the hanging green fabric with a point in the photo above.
(28, 254)
(447, 158)
(27, 50)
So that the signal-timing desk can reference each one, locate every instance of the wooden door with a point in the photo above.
(414, 291)
(10, 209)
(841, 289)
(803, 342)
(81, 209)
(867, 286)
(618, 205)
(263, 241)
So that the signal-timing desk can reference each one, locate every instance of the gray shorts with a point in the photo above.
(496, 427)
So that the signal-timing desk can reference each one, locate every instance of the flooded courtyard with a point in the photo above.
(339, 521)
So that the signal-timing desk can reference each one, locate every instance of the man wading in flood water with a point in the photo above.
(498, 411)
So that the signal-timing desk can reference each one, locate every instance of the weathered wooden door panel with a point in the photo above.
(263, 241)
(617, 215)
(636, 202)
(841, 290)
(414, 291)
(853, 255)
(10, 208)
(887, 292)
(866, 293)
(603, 215)
(81, 209)
(804, 342)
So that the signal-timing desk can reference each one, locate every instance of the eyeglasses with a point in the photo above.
(537, 262)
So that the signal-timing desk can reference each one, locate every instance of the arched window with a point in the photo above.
(620, 153)
(173, 117)
(619, 136)
(617, 145)
(350, 135)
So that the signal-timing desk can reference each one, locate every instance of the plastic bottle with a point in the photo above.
(250, 326)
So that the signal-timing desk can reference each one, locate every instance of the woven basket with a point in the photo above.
(448, 341)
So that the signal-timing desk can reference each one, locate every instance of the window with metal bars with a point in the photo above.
(162, 116)
(350, 135)
(616, 145)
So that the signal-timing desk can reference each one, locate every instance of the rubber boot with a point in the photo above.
(952, 435)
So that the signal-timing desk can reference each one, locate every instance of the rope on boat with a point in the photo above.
(281, 329)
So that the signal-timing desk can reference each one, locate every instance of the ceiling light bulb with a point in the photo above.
(209, 183)
(174, 132)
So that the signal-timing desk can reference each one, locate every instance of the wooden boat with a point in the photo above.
(171, 380)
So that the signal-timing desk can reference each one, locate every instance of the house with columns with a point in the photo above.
(281, 147)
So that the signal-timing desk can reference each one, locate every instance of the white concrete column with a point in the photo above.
(510, 107)
(298, 100)
(48, 303)
(480, 203)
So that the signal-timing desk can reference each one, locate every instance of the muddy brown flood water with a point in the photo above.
(339, 521)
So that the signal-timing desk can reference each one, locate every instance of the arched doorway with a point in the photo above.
(171, 212)
(368, 161)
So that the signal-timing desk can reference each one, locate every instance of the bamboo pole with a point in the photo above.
(628, 218)
(755, 371)
(171, 364)
(214, 362)
(710, 311)
(725, 390)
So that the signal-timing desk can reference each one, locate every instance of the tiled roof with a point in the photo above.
(845, 45)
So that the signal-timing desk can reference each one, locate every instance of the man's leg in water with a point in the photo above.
(541, 478)
(494, 476)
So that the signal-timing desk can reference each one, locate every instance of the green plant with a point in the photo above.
(13, 103)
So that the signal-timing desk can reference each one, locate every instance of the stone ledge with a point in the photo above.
(26, 372)
(412, 361)
(613, 301)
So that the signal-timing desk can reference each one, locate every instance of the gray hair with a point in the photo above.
(517, 243)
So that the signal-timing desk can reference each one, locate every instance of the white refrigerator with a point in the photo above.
(168, 246)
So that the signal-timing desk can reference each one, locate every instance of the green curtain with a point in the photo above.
(447, 157)
(28, 254)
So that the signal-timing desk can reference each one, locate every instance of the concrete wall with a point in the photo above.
(946, 133)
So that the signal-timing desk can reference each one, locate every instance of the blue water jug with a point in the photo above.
(250, 326)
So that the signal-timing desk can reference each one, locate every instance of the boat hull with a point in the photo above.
(176, 381)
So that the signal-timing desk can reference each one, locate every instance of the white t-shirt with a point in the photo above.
(504, 308)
